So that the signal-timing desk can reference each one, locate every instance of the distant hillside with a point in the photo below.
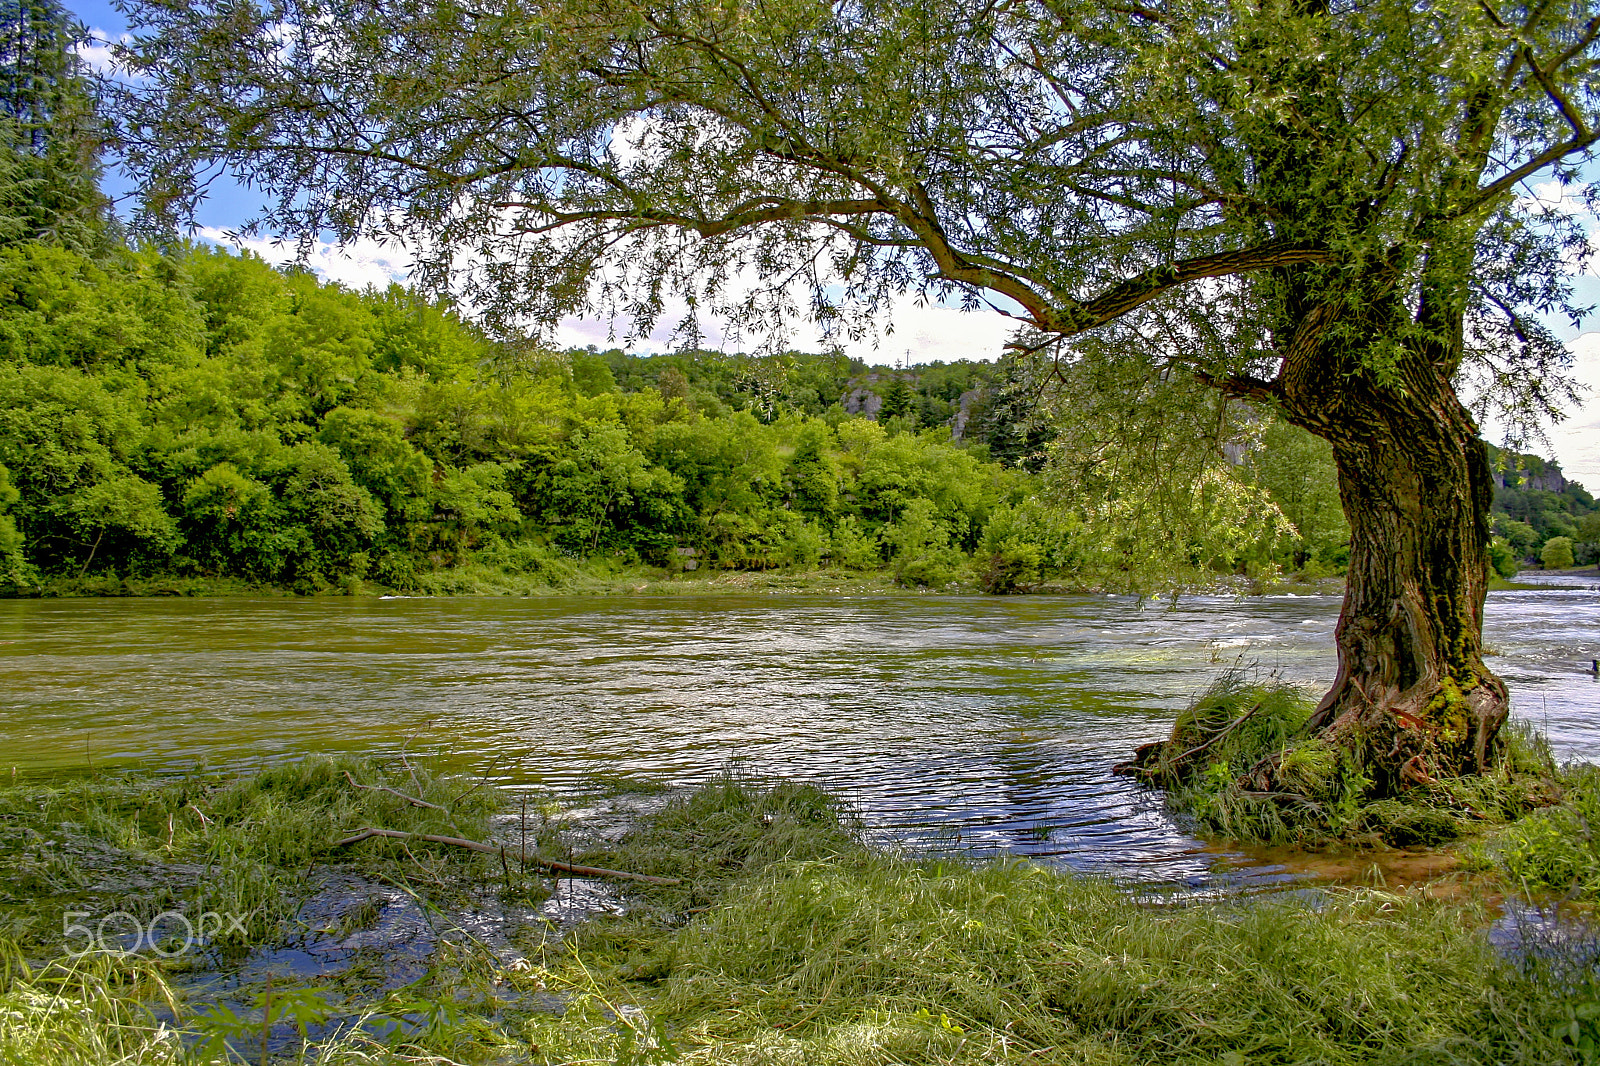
(1534, 501)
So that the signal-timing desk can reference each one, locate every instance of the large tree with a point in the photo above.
(50, 134)
(1310, 205)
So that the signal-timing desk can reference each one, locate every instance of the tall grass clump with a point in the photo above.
(859, 958)
(1242, 731)
(86, 1011)
(237, 843)
(729, 828)
(1556, 849)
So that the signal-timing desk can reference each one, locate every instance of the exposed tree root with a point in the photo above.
(1375, 772)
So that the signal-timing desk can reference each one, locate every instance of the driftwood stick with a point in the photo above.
(1235, 724)
(495, 849)
(395, 792)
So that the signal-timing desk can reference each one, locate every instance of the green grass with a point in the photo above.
(1557, 849)
(1323, 794)
(552, 578)
(539, 573)
(227, 842)
(789, 941)
(874, 960)
(803, 946)
(730, 828)
(88, 1011)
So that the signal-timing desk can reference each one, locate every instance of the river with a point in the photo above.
(987, 724)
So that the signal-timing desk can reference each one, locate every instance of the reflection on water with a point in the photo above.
(982, 723)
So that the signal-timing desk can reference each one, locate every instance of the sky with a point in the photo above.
(910, 332)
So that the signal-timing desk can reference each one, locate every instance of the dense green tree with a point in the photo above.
(1556, 553)
(1522, 538)
(422, 335)
(230, 524)
(1010, 418)
(49, 133)
(14, 566)
(1024, 544)
(1589, 532)
(1298, 471)
(811, 474)
(1503, 558)
(920, 546)
(381, 460)
(897, 399)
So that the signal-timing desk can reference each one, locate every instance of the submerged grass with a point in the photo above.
(789, 941)
(226, 843)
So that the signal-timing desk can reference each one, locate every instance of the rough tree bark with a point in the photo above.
(1412, 691)
(1412, 696)
(1412, 700)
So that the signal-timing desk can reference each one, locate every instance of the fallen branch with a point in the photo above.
(1235, 724)
(497, 849)
(1148, 762)
(394, 792)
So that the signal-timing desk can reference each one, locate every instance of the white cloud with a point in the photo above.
(357, 265)
(1556, 198)
(909, 333)
(96, 52)
(1576, 442)
(925, 334)
(916, 334)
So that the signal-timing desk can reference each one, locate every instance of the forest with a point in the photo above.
(197, 413)
(184, 414)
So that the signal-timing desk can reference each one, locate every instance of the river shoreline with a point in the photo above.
(639, 582)
(649, 581)
(784, 939)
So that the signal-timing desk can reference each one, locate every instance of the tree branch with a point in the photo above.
(1507, 181)
(1579, 128)
(1241, 385)
(1127, 295)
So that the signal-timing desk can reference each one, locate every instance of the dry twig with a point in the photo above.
(414, 801)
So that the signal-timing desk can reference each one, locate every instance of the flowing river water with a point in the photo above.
(980, 723)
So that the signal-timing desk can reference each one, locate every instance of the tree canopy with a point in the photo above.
(50, 134)
(1074, 161)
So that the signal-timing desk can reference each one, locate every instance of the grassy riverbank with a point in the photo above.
(786, 940)
(602, 581)
(1239, 764)
(639, 581)
(487, 581)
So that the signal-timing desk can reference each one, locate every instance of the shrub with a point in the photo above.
(1503, 558)
(1556, 553)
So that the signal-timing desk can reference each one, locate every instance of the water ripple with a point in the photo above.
(981, 724)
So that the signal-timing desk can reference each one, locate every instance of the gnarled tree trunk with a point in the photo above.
(1413, 697)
